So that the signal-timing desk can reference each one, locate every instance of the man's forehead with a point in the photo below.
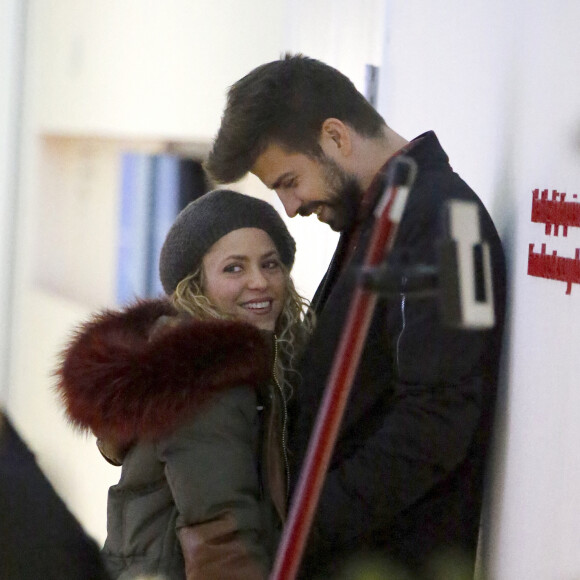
(275, 163)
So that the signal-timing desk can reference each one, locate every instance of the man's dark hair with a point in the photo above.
(285, 102)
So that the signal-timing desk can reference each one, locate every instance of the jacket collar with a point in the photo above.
(425, 150)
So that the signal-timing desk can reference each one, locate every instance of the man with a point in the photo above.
(406, 477)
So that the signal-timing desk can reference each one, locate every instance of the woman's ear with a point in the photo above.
(335, 138)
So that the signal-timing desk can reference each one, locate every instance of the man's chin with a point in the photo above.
(335, 225)
(332, 218)
(336, 219)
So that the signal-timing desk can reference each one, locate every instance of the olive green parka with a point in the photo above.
(203, 485)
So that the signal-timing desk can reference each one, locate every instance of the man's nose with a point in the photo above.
(290, 202)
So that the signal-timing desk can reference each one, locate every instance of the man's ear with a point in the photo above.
(335, 138)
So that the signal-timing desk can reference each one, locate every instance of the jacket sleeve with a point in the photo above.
(211, 467)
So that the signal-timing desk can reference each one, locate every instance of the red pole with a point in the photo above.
(387, 217)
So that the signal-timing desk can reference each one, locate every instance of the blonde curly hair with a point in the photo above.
(293, 327)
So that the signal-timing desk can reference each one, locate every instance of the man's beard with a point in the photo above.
(344, 195)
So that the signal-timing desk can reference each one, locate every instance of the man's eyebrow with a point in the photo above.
(280, 179)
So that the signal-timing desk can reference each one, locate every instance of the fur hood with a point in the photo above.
(120, 380)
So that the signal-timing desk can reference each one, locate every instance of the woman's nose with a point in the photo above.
(257, 279)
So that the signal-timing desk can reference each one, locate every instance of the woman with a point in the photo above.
(194, 392)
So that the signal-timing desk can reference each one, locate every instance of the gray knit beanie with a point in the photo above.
(207, 219)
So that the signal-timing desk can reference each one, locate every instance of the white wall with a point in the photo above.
(158, 68)
(499, 83)
(11, 65)
(538, 503)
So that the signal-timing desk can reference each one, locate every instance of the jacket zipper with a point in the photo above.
(403, 324)
(285, 418)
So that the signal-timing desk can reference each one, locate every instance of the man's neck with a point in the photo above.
(374, 153)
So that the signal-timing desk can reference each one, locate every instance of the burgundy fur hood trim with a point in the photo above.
(117, 382)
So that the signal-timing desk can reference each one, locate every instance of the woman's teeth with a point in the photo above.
(258, 305)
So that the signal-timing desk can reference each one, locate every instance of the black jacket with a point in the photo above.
(39, 536)
(406, 477)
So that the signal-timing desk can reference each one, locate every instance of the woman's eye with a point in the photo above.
(233, 268)
(271, 264)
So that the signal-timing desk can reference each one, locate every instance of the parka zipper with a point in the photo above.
(285, 418)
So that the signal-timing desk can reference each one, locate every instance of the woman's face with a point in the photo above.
(243, 276)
